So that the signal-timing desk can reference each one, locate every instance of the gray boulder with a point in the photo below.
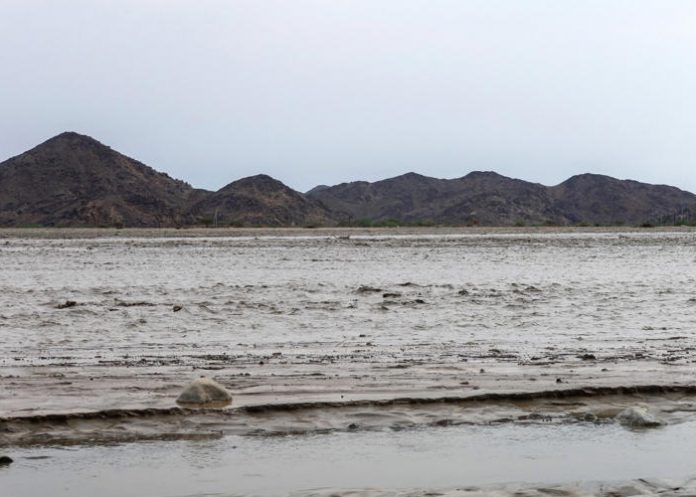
(204, 392)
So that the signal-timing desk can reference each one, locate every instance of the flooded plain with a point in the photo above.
(432, 351)
(468, 460)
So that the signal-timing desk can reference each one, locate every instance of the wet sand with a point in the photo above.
(333, 331)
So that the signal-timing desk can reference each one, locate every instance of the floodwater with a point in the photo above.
(327, 337)
(444, 458)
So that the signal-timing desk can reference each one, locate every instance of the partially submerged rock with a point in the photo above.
(5, 461)
(67, 304)
(204, 392)
(368, 289)
(638, 417)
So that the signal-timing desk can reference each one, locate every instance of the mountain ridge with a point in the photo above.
(74, 180)
(489, 198)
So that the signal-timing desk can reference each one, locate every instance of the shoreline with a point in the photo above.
(671, 404)
(199, 232)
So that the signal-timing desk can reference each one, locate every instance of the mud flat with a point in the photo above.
(320, 335)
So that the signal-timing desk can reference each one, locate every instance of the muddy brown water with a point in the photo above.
(119, 321)
(605, 458)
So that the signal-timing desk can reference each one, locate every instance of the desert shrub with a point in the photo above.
(388, 223)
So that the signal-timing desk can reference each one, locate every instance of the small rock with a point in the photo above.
(204, 392)
(66, 304)
(5, 461)
(177, 308)
(368, 289)
(637, 417)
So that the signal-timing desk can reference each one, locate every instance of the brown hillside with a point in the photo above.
(260, 201)
(73, 180)
(488, 198)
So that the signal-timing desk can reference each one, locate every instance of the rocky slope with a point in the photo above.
(488, 198)
(73, 180)
(260, 201)
(478, 198)
(594, 198)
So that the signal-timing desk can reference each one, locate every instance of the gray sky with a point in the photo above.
(329, 91)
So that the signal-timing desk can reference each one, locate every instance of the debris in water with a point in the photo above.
(368, 289)
(66, 304)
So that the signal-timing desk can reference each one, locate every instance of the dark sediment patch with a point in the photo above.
(66, 305)
(368, 289)
(592, 404)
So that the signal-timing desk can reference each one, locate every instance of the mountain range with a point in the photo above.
(74, 180)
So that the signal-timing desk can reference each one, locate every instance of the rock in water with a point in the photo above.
(204, 392)
(637, 417)
(5, 461)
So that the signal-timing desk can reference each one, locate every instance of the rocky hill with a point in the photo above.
(73, 180)
(487, 198)
(597, 199)
(260, 201)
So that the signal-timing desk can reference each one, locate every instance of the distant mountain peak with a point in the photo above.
(262, 182)
(73, 138)
(484, 174)
(589, 177)
(411, 175)
(74, 180)
(317, 189)
(260, 200)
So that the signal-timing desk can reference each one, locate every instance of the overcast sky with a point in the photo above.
(330, 91)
